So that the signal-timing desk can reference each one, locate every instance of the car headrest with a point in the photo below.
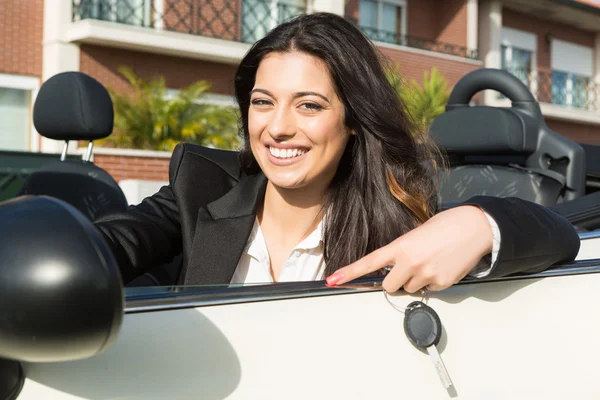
(73, 106)
(485, 130)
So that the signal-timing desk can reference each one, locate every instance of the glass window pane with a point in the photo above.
(580, 91)
(367, 13)
(559, 87)
(289, 8)
(503, 59)
(389, 23)
(14, 119)
(256, 19)
(130, 12)
(521, 60)
(389, 18)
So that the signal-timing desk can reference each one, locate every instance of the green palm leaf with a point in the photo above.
(423, 102)
(146, 118)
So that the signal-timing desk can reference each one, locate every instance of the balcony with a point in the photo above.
(242, 21)
(562, 89)
(384, 36)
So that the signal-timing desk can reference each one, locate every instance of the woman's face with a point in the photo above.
(296, 121)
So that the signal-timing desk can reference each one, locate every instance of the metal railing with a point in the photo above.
(381, 35)
(561, 88)
(242, 20)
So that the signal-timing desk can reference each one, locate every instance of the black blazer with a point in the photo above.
(208, 211)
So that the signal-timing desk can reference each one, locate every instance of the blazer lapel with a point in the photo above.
(222, 230)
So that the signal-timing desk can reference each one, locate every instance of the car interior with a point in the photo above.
(490, 151)
(75, 107)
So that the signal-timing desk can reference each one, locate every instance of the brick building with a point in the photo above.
(552, 45)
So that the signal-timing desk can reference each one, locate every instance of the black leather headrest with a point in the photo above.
(485, 130)
(73, 106)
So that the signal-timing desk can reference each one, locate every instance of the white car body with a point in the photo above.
(525, 338)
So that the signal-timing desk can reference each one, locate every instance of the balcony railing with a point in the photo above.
(381, 35)
(237, 20)
(561, 88)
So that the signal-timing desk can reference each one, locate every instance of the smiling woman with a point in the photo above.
(333, 181)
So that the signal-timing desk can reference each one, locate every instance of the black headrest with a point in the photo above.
(73, 106)
(485, 130)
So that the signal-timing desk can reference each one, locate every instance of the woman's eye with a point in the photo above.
(259, 102)
(312, 106)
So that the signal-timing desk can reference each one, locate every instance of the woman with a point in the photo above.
(333, 181)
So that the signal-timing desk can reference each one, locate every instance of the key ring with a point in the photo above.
(423, 300)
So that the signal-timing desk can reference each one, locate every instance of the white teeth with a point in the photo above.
(285, 153)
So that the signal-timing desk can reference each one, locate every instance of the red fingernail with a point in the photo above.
(333, 279)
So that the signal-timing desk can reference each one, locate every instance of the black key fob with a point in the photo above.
(422, 325)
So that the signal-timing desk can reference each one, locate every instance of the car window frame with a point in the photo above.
(154, 298)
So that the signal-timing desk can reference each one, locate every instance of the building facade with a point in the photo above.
(552, 45)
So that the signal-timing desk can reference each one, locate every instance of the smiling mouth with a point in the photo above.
(285, 154)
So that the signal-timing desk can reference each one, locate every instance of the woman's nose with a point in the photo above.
(282, 124)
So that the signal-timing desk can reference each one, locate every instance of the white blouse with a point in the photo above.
(306, 263)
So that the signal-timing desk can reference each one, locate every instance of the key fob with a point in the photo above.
(422, 325)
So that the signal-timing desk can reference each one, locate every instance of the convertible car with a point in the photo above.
(70, 328)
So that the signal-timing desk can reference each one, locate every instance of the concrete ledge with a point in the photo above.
(154, 40)
(559, 112)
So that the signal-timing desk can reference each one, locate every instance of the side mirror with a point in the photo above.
(61, 294)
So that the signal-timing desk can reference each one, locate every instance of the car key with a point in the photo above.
(424, 330)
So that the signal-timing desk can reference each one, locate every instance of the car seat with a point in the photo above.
(74, 106)
(504, 151)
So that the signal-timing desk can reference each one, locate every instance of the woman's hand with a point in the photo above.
(435, 255)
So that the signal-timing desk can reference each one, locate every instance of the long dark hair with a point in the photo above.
(384, 185)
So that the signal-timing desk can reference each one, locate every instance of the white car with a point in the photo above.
(69, 329)
(64, 322)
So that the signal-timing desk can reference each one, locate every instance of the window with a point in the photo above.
(570, 89)
(518, 62)
(260, 16)
(130, 12)
(16, 96)
(518, 55)
(383, 20)
(572, 69)
(14, 119)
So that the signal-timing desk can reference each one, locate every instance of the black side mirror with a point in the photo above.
(61, 294)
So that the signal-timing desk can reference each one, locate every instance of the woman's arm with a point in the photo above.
(532, 237)
(149, 234)
(145, 236)
(447, 247)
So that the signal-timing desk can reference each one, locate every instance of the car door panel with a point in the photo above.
(505, 339)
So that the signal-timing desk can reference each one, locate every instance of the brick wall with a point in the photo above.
(452, 22)
(439, 20)
(579, 132)
(102, 63)
(134, 167)
(541, 28)
(412, 65)
(421, 19)
(21, 36)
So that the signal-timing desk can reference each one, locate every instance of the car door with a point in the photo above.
(513, 338)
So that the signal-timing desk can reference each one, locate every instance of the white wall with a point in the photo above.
(137, 190)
